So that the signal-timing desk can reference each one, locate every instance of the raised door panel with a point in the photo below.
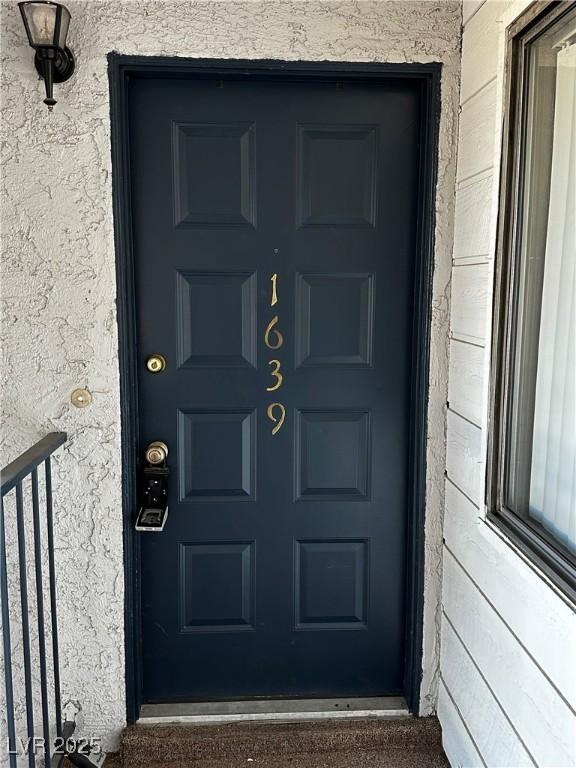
(334, 319)
(217, 455)
(337, 176)
(214, 174)
(216, 319)
(333, 455)
(217, 586)
(331, 580)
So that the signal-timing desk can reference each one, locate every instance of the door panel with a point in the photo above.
(274, 228)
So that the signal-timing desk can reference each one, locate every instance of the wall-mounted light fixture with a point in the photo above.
(47, 27)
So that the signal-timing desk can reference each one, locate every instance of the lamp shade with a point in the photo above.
(46, 23)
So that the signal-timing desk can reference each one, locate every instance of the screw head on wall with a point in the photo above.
(80, 398)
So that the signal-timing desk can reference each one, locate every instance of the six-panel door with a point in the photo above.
(274, 242)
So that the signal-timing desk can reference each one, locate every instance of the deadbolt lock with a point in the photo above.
(156, 363)
(156, 453)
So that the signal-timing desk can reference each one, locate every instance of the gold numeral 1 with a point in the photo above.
(277, 420)
(270, 330)
(277, 374)
(274, 300)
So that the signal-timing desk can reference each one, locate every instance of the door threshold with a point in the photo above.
(272, 710)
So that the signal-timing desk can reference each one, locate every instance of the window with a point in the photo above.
(532, 467)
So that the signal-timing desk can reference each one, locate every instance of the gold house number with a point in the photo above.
(278, 420)
(272, 331)
(276, 373)
(274, 340)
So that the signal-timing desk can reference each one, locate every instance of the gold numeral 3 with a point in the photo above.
(276, 373)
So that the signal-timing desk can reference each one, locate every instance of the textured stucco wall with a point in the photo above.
(58, 280)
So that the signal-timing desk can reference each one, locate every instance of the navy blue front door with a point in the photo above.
(274, 228)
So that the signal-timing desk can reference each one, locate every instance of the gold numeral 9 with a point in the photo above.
(278, 420)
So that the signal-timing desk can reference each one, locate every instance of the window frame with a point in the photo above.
(536, 543)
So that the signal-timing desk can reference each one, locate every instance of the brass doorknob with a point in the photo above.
(156, 363)
(156, 453)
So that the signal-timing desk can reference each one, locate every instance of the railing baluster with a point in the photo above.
(12, 477)
(40, 610)
(52, 572)
(25, 622)
(7, 645)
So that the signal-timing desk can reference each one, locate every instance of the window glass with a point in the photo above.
(540, 471)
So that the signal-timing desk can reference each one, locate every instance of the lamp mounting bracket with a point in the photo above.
(64, 63)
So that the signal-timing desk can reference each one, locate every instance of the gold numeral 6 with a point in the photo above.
(271, 330)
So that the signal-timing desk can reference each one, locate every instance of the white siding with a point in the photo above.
(466, 380)
(494, 736)
(463, 455)
(471, 288)
(477, 136)
(469, 8)
(458, 743)
(507, 695)
(472, 226)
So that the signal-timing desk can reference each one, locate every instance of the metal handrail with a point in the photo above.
(12, 478)
(17, 470)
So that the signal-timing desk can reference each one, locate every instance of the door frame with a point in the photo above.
(122, 68)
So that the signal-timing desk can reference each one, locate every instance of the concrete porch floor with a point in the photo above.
(380, 743)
